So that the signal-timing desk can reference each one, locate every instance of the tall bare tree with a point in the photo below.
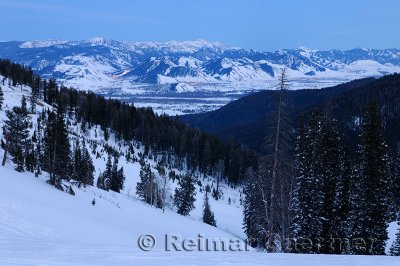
(280, 176)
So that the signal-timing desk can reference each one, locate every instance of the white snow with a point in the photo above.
(40, 225)
(39, 44)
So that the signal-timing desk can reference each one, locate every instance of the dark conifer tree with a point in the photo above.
(395, 248)
(39, 145)
(332, 161)
(56, 147)
(341, 222)
(49, 147)
(120, 178)
(29, 155)
(301, 192)
(1, 98)
(117, 177)
(16, 135)
(62, 148)
(113, 180)
(184, 197)
(100, 182)
(255, 221)
(107, 174)
(34, 93)
(208, 215)
(76, 165)
(394, 185)
(87, 164)
(308, 195)
(145, 187)
(370, 202)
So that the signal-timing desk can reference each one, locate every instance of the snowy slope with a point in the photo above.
(43, 226)
(231, 222)
(39, 221)
(40, 225)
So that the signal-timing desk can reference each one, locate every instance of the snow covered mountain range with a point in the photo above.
(101, 63)
(192, 76)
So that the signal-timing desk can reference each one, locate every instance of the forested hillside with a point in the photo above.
(157, 133)
(64, 138)
(248, 119)
(331, 164)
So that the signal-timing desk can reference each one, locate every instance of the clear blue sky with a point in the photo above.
(259, 24)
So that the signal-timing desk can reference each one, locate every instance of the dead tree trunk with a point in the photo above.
(273, 210)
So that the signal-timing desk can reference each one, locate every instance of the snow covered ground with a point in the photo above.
(40, 225)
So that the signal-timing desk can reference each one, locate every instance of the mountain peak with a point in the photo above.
(305, 51)
(97, 40)
(304, 48)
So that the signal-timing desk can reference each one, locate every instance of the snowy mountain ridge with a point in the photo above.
(100, 63)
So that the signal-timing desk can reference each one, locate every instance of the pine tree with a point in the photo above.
(1, 98)
(29, 155)
(220, 171)
(34, 93)
(208, 215)
(107, 174)
(117, 177)
(114, 186)
(38, 146)
(120, 178)
(49, 146)
(62, 162)
(301, 192)
(82, 165)
(56, 148)
(308, 197)
(100, 182)
(370, 202)
(145, 187)
(395, 248)
(16, 134)
(394, 185)
(87, 164)
(255, 221)
(332, 160)
(77, 170)
(341, 223)
(184, 197)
